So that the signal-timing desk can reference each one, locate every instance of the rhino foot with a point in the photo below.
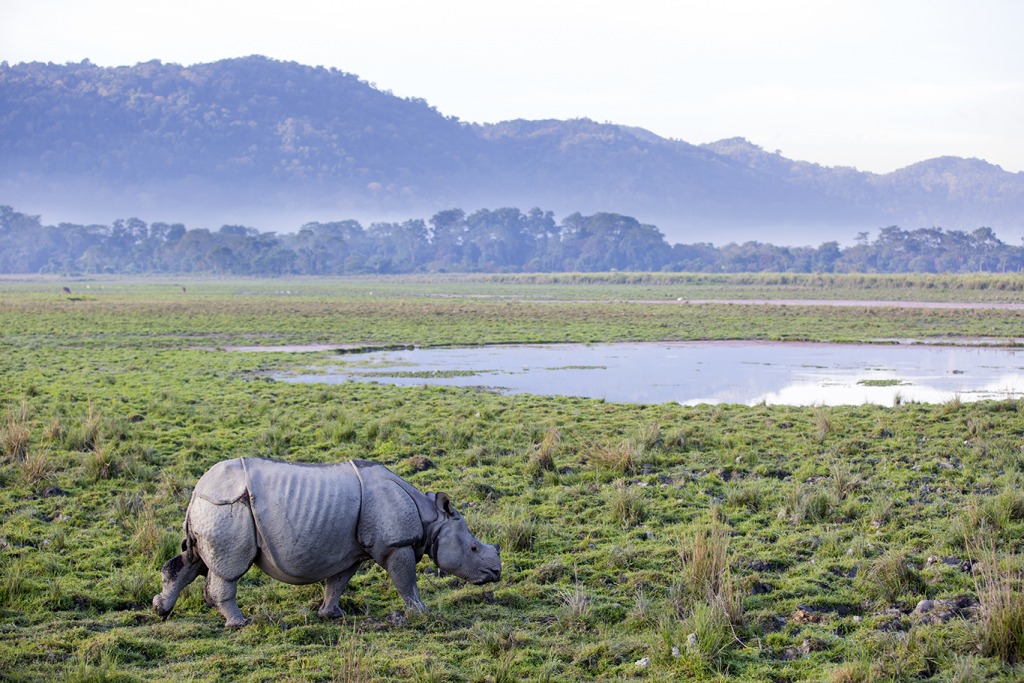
(237, 623)
(158, 607)
(333, 613)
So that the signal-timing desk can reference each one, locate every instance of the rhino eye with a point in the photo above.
(475, 549)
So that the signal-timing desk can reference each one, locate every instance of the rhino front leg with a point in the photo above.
(332, 593)
(176, 573)
(401, 567)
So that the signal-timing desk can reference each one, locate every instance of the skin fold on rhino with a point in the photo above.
(304, 523)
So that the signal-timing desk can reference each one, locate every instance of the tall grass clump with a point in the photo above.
(542, 458)
(952, 405)
(807, 505)
(647, 435)
(704, 570)
(705, 633)
(54, 430)
(576, 603)
(13, 581)
(822, 420)
(351, 656)
(518, 528)
(627, 457)
(704, 577)
(842, 481)
(1000, 629)
(707, 606)
(626, 504)
(14, 436)
(890, 577)
(751, 494)
(857, 671)
(37, 470)
(341, 431)
(79, 670)
(100, 463)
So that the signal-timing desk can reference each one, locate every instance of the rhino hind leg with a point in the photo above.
(225, 537)
(220, 593)
(177, 572)
(333, 589)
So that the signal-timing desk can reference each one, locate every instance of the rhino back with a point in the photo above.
(306, 515)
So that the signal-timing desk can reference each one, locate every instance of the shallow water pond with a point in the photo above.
(703, 372)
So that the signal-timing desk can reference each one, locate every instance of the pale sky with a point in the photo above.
(866, 83)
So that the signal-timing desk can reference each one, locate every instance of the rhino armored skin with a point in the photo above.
(304, 523)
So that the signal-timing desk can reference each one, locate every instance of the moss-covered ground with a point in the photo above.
(641, 542)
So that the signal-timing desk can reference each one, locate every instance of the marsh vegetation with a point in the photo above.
(647, 542)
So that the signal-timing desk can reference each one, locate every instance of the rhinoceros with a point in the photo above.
(303, 523)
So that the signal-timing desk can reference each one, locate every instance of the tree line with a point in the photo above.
(504, 240)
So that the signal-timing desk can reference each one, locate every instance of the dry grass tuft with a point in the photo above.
(625, 458)
(705, 569)
(54, 430)
(15, 434)
(1000, 630)
(37, 470)
(857, 671)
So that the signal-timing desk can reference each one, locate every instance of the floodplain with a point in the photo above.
(641, 541)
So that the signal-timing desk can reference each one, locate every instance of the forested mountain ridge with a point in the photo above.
(269, 134)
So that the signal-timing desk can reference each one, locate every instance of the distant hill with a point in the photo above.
(257, 137)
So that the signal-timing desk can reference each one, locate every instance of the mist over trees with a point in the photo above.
(504, 240)
(263, 134)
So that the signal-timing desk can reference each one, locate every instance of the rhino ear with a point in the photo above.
(444, 503)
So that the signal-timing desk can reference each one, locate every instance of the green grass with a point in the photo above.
(790, 543)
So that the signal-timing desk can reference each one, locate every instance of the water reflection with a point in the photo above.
(704, 372)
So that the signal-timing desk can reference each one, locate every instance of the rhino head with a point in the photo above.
(456, 551)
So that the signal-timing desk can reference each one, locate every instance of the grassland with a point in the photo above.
(752, 543)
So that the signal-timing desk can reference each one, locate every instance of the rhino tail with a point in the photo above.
(188, 544)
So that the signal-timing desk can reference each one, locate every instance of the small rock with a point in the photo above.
(644, 663)
(857, 620)
(691, 643)
(789, 654)
(676, 652)
(802, 616)
(924, 607)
